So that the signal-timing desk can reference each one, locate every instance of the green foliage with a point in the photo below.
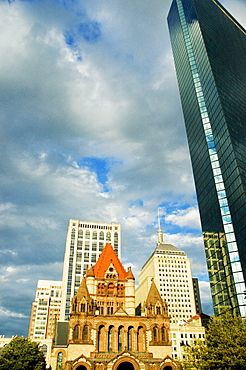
(225, 347)
(22, 354)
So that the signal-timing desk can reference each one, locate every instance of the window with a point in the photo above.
(129, 338)
(76, 332)
(79, 256)
(110, 289)
(120, 289)
(163, 334)
(120, 338)
(73, 234)
(110, 339)
(100, 288)
(110, 310)
(102, 340)
(155, 334)
(85, 334)
(140, 339)
(59, 361)
(115, 239)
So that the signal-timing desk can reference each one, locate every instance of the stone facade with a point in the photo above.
(104, 332)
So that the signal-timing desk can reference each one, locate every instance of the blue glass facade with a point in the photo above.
(209, 49)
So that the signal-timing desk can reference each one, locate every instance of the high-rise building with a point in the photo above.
(84, 243)
(45, 309)
(209, 48)
(170, 269)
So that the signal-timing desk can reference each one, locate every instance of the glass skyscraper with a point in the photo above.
(209, 48)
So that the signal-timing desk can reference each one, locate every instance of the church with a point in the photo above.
(104, 332)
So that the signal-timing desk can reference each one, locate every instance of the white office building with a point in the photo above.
(45, 309)
(84, 243)
(171, 270)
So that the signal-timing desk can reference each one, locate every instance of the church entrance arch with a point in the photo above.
(81, 367)
(125, 366)
(126, 363)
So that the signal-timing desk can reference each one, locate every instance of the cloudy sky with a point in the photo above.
(91, 129)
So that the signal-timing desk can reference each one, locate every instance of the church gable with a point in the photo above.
(154, 304)
(109, 263)
(120, 311)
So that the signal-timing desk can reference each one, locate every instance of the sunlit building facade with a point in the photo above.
(45, 309)
(84, 243)
(103, 330)
(170, 268)
(209, 48)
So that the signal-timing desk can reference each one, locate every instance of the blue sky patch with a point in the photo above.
(101, 168)
(137, 203)
(70, 39)
(90, 30)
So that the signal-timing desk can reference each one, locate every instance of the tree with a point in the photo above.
(22, 354)
(224, 349)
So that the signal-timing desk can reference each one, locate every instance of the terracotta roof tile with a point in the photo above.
(107, 257)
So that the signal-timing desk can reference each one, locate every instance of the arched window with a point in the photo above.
(59, 361)
(80, 234)
(102, 340)
(140, 339)
(82, 307)
(130, 338)
(108, 236)
(110, 289)
(163, 334)
(76, 332)
(87, 234)
(101, 235)
(115, 239)
(155, 334)
(110, 338)
(158, 310)
(85, 334)
(120, 338)
(94, 235)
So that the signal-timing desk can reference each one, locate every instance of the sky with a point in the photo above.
(91, 129)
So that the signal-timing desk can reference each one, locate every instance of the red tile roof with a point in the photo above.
(107, 257)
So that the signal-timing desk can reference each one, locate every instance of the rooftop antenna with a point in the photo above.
(159, 232)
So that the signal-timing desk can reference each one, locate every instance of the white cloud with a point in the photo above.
(120, 102)
(10, 314)
(185, 217)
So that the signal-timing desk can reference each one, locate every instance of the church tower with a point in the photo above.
(103, 329)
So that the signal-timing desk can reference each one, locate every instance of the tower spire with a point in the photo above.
(159, 232)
